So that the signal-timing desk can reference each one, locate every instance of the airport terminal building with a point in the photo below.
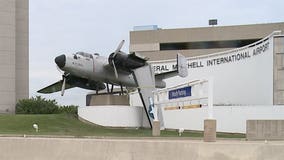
(14, 53)
(246, 63)
(255, 80)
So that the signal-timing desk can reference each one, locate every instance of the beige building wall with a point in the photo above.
(7, 54)
(148, 42)
(22, 49)
(13, 49)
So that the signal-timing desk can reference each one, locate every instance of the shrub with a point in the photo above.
(36, 105)
(39, 105)
(72, 109)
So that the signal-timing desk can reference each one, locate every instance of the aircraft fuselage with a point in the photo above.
(95, 67)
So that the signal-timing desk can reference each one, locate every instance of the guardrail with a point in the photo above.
(198, 95)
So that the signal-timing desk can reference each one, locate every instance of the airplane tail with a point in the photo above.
(182, 71)
(182, 65)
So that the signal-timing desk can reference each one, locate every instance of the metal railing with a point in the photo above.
(199, 95)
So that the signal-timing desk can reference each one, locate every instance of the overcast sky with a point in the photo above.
(97, 26)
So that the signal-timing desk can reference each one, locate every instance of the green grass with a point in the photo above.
(69, 125)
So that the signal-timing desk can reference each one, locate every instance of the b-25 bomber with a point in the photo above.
(95, 72)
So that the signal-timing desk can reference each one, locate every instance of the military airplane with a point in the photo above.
(95, 72)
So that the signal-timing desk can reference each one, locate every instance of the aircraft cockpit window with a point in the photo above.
(96, 55)
(84, 54)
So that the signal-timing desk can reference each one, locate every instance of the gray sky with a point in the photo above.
(97, 26)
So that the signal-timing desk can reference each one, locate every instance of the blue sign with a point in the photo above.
(179, 93)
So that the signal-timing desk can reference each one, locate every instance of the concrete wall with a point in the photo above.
(136, 149)
(265, 129)
(106, 99)
(14, 53)
(278, 70)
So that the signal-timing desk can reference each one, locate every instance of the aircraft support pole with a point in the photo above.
(111, 88)
(107, 87)
(121, 89)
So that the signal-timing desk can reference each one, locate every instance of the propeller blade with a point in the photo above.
(119, 47)
(59, 70)
(114, 68)
(113, 56)
(63, 86)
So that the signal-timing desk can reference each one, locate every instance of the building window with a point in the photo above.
(206, 44)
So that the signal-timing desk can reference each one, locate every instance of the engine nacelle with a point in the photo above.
(125, 61)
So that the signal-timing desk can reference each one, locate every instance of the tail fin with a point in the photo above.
(182, 65)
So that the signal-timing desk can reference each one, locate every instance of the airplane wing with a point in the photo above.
(73, 81)
(55, 87)
(138, 56)
(165, 75)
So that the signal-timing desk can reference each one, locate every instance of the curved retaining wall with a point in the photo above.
(112, 115)
(135, 149)
(229, 118)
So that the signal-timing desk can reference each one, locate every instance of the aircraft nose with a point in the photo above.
(60, 61)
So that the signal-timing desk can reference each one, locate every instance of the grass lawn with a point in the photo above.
(69, 125)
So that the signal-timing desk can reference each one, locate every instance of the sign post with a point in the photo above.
(210, 123)
(210, 97)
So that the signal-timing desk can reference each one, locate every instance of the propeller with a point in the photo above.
(63, 85)
(64, 76)
(115, 53)
(115, 71)
(119, 47)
